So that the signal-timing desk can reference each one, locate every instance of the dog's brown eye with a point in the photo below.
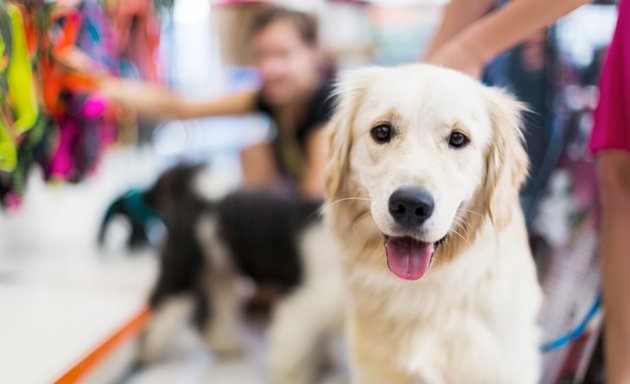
(458, 140)
(382, 133)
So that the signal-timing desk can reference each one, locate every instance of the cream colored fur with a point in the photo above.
(310, 319)
(472, 318)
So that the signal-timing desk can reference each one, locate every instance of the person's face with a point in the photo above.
(286, 63)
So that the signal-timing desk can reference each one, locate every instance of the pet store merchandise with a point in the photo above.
(54, 54)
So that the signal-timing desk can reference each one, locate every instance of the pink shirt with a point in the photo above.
(612, 116)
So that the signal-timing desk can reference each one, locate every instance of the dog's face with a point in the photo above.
(173, 195)
(428, 147)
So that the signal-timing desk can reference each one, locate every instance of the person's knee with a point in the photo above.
(258, 166)
(614, 179)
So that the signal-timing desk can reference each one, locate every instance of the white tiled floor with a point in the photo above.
(48, 323)
(190, 362)
(60, 296)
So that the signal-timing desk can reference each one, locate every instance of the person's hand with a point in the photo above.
(126, 91)
(138, 96)
(459, 55)
(110, 87)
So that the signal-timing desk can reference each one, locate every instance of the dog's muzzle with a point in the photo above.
(410, 207)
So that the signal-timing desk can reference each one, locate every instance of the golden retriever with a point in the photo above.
(422, 186)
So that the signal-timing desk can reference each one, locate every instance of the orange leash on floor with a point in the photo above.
(105, 349)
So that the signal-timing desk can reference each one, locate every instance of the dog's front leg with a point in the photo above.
(372, 354)
(302, 327)
(221, 329)
(165, 326)
(220, 286)
(294, 336)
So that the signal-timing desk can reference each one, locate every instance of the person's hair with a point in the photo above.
(305, 24)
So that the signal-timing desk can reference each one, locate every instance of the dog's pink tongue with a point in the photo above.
(408, 258)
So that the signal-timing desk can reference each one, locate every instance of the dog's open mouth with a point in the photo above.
(408, 258)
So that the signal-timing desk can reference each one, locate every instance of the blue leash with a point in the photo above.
(577, 331)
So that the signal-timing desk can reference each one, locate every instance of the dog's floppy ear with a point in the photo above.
(507, 162)
(349, 91)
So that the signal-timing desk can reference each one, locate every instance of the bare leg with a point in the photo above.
(614, 174)
(259, 166)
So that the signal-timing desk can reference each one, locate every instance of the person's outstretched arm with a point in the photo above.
(159, 102)
(458, 14)
(482, 40)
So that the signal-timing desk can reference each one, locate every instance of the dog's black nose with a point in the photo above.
(411, 206)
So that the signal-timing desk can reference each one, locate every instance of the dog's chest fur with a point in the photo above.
(471, 319)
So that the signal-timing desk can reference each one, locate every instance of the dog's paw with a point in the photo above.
(290, 377)
(152, 349)
(224, 346)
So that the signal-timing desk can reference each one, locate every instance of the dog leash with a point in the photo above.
(575, 332)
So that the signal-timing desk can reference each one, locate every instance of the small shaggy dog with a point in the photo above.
(423, 182)
(274, 241)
